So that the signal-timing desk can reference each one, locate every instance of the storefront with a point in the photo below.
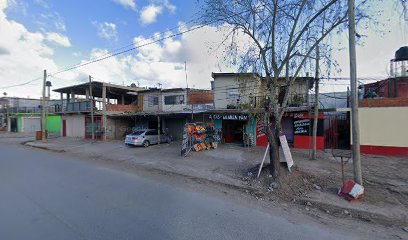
(287, 128)
(235, 127)
(298, 129)
(303, 131)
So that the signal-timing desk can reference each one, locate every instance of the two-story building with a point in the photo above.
(89, 106)
(239, 98)
(170, 109)
(118, 110)
(24, 115)
(383, 111)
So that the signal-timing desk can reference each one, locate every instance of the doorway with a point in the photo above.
(13, 124)
(233, 131)
(64, 128)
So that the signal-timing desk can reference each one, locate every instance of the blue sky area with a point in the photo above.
(52, 35)
(81, 19)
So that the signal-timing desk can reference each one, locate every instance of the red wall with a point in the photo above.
(306, 142)
(384, 151)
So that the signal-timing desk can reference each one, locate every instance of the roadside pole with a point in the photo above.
(316, 105)
(158, 129)
(43, 114)
(92, 113)
(354, 94)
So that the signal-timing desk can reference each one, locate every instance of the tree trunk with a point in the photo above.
(274, 166)
(271, 111)
(316, 106)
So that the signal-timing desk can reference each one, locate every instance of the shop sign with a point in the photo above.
(286, 151)
(301, 127)
(233, 116)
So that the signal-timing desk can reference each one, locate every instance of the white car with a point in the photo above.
(145, 138)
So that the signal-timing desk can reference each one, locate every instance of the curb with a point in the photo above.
(42, 147)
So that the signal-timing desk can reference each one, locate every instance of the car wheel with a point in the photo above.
(146, 143)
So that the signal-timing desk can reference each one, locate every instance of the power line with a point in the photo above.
(146, 44)
(109, 55)
(23, 84)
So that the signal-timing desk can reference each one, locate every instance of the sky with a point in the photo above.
(54, 35)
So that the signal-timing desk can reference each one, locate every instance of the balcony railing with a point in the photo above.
(258, 102)
(13, 110)
(84, 106)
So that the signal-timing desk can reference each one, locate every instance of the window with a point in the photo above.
(233, 94)
(153, 101)
(174, 100)
(151, 133)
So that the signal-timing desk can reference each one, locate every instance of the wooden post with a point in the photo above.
(316, 106)
(263, 160)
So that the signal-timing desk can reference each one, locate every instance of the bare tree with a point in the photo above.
(284, 35)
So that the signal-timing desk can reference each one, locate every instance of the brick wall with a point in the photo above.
(200, 97)
(121, 108)
(384, 102)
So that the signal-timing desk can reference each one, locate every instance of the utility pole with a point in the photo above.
(92, 109)
(43, 114)
(316, 105)
(354, 94)
(188, 91)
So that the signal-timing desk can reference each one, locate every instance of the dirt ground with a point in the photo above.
(312, 185)
(315, 184)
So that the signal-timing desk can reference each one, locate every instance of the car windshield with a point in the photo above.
(139, 132)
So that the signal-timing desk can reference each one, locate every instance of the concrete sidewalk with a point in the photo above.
(386, 178)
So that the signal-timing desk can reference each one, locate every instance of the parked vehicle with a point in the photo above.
(145, 138)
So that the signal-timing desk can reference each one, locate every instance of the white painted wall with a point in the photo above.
(146, 107)
(385, 126)
(226, 86)
(162, 106)
(30, 124)
(75, 125)
(176, 107)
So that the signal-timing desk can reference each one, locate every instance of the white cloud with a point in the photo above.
(77, 54)
(58, 39)
(163, 62)
(127, 3)
(107, 30)
(115, 69)
(51, 20)
(150, 13)
(25, 58)
(42, 3)
(169, 6)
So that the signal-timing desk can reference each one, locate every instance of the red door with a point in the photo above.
(64, 128)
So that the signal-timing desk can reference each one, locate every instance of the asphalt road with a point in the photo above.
(46, 196)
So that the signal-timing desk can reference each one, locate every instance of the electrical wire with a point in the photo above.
(106, 56)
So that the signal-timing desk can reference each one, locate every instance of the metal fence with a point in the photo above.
(13, 110)
(84, 106)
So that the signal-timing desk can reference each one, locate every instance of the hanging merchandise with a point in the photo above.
(195, 137)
